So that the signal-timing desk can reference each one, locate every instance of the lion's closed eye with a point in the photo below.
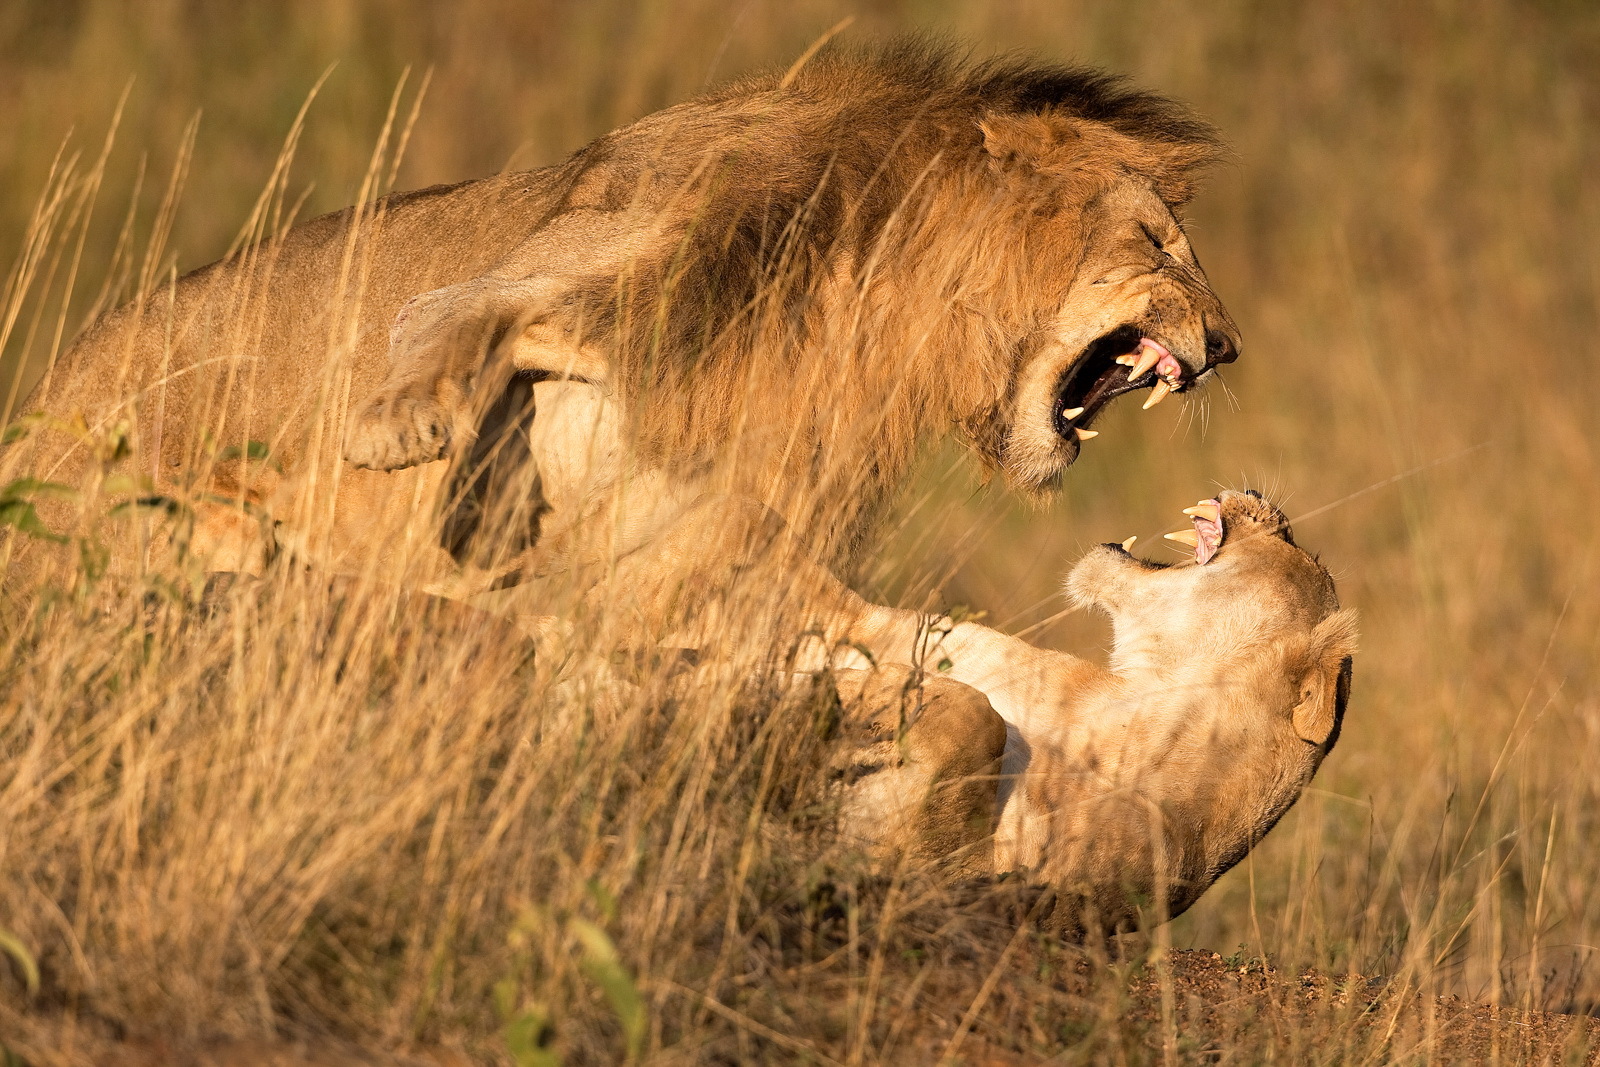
(1159, 244)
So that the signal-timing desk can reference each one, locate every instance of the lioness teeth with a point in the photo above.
(1071, 413)
(1157, 395)
(1127, 546)
(1127, 361)
(1206, 510)
(1084, 435)
(1184, 537)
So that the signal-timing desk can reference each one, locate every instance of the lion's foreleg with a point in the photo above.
(439, 346)
(442, 340)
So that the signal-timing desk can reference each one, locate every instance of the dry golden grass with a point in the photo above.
(307, 818)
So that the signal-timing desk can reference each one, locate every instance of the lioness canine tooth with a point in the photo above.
(1127, 546)
(1084, 435)
(1126, 361)
(1212, 512)
(1072, 413)
(1187, 537)
(1157, 395)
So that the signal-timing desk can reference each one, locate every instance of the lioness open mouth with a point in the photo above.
(1206, 536)
(1119, 362)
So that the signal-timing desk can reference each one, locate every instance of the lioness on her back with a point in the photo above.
(786, 285)
(1131, 788)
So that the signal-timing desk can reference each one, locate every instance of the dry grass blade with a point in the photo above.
(339, 813)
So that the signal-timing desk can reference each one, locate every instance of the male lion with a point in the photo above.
(787, 284)
(1140, 783)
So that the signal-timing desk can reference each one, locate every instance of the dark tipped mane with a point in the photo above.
(928, 76)
(807, 203)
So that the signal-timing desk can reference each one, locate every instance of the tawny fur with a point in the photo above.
(1132, 789)
(787, 285)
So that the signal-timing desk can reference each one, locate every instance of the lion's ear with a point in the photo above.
(1173, 167)
(1038, 141)
(1059, 145)
(1326, 687)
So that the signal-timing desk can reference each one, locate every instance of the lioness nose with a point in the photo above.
(1220, 348)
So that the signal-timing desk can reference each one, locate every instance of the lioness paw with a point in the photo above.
(392, 432)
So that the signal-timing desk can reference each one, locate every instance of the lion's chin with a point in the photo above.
(1036, 458)
(1042, 444)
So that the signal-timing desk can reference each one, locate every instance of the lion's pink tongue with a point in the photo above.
(1166, 364)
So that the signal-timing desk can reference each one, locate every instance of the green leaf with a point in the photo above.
(603, 900)
(252, 450)
(605, 969)
(19, 429)
(21, 514)
(505, 997)
(127, 485)
(26, 487)
(12, 946)
(528, 1038)
(115, 447)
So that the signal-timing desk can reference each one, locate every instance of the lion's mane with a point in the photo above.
(855, 261)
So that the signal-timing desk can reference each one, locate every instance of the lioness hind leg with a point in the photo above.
(927, 784)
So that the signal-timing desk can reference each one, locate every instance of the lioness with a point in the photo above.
(1131, 788)
(1136, 784)
(786, 284)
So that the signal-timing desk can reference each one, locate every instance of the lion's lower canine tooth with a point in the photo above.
(1071, 413)
(1157, 395)
(1212, 512)
(1186, 537)
(1127, 546)
(1084, 435)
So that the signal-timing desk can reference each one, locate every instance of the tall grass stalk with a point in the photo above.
(301, 813)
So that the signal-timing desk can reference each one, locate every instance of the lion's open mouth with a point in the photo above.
(1119, 362)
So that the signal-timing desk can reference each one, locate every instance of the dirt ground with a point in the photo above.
(1197, 1008)
(1406, 1027)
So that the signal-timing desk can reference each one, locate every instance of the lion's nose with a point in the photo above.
(1220, 348)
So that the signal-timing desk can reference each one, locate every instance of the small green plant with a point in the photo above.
(17, 506)
(11, 945)
(529, 1030)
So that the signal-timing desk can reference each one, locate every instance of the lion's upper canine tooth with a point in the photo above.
(1126, 361)
(1186, 537)
(1205, 509)
(1157, 395)
(1084, 435)
(1071, 413)
(1127, 546)
(1148, 357)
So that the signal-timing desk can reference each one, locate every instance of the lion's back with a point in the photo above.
(245, 345)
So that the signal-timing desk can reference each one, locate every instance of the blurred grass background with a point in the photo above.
(1409, 239)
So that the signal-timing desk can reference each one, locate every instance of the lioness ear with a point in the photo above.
(1325, 689)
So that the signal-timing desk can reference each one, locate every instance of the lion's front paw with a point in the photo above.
(390, 432)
